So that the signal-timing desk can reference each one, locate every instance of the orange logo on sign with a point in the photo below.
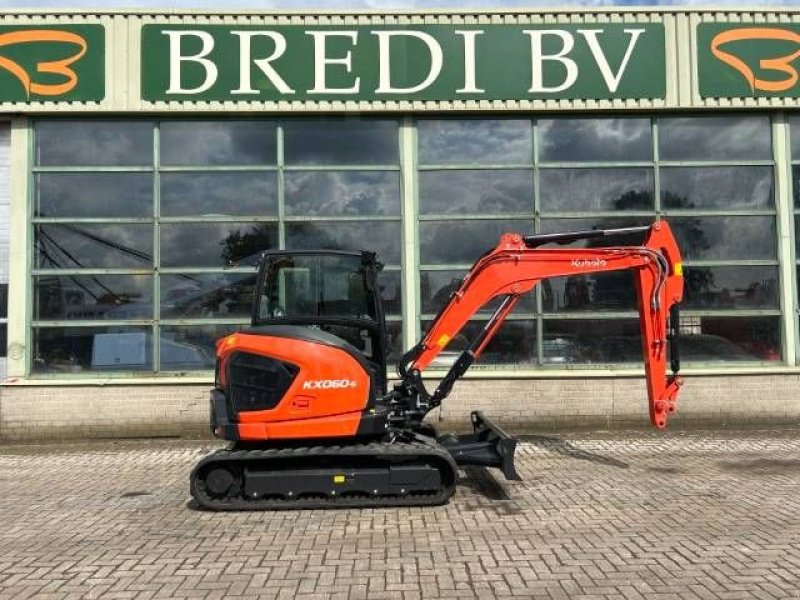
(57, 67)
(781, 64)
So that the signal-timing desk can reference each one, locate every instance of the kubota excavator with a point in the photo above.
(302, 394)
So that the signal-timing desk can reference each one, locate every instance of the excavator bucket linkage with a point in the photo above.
(486, 446)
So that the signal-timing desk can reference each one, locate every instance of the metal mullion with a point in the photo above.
(538, 303)
(85, 323)
(92, 220)
(219, 169)
(485, 316)
(206, 270)
(716, 163)
(477, 167)
(656, 168)
(683, 212)
(596, 214)
(204, 321)
(745, 262)
(687, 312)
(410, 279)
(781, 151)
(476, 217)
(597, 165)
(342, 218)
(218, 219)
(602, 315)
(323, 168)
(281, 166)
(156, 329)
(84, 169)
(89, 272)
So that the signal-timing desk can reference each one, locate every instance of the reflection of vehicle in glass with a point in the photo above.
(132, 350)
(310, 414)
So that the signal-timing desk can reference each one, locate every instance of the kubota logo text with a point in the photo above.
(61, 67)
(777, 64)
(328, 384)
(583, 263)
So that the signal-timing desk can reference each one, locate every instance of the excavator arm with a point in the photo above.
(516, 266)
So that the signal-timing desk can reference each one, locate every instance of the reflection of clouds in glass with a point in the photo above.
(89, 245)
(475, 192)
(464, 241)
(794, 133)
(596, 189)
(94, 143)
(391, 291)
(94, 195)
(214, 244)
(381, 237)
(514, 344)
(189, 143)
(191, 348)
(716, 187)
(715, 138)
(725, 238)
(342, 193)
(585, 341)
(237, 193)
(593, 292)
(84, 297)
(473, 141)
(589, 139)
(350, 141)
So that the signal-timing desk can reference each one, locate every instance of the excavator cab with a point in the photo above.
(331, 291)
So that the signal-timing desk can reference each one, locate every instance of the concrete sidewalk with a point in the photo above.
(620, 515)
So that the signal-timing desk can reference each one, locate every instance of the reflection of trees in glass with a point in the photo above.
(238, 246)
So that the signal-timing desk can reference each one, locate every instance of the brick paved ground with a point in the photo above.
(686, 515)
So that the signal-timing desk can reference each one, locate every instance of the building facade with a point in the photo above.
(146, 159)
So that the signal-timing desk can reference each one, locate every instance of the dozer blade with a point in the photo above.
(486, 446)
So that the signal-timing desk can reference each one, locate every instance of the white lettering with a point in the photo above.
(384, 72)
(538, 58)
(321, 60)
(245, 58)
(328, 384)
(176, 59)
(470, 87)
(588, 263)
(612, 79)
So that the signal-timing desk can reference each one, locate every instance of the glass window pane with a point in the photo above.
(394, 342)
(382, 237)
(715, 138)
(514, 345)
(474, 141)
(796, 184)
(191, 348)
(338, 193)
(215, 295)
(341, 142)
(729, 339)
(391, 290)
(462, 242)
(3, 300)
(3, 339)
(596, 292)
(592, 139)
(219, 193)
(89, 297)
(76, 349)
(94, 143)
(90, 245)
(794, 133)
(586, 224)
(716, 187)
(591, 341)
(187, 143)
(94, 195)
(435, 288)
(731, 287)
(725, 238)
(476, 192)
(596, 189)
(215, 244)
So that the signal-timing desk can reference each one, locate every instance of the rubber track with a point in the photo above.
(419, 450)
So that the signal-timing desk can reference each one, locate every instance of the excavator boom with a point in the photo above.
(519, 263)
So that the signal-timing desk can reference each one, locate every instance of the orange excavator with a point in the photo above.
(302, 395)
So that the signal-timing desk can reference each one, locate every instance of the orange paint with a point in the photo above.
(57, 67)
(781, 64)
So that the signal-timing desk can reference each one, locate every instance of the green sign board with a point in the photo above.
(52, 62)
(748, 60)
(408, 62)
